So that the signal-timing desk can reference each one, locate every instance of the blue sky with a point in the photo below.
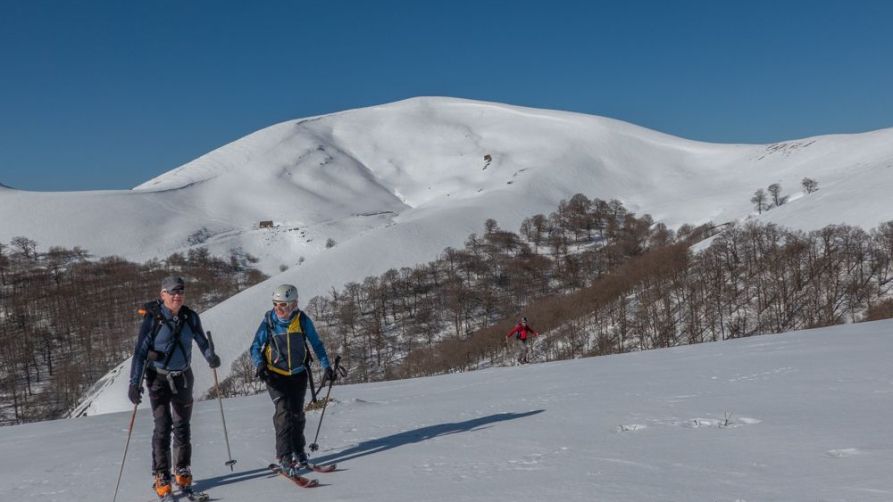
(108, 94)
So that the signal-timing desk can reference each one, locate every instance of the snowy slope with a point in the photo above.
(410, 160)
(794, 417)
(393, 185)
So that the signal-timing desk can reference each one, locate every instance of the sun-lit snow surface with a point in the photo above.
(794, 417)
(393, 185)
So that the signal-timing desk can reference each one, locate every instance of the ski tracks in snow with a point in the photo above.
(727, 421)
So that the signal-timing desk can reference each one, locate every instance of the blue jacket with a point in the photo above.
(282, 350)
(164, 343)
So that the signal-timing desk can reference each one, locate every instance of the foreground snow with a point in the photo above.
(799, 416)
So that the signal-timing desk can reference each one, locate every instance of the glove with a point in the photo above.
(134, 393)
(262, 373)
(329, 375)
(214, 361)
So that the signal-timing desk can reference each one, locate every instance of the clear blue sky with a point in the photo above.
(107, 94)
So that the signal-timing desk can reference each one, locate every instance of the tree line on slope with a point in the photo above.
(596, 279)
(401, 323)
(753, 279)
(67, 319)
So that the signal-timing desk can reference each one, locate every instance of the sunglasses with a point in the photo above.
(280, 304)
(176, 292)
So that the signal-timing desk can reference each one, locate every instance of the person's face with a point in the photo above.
(173, 299)
(284, 309)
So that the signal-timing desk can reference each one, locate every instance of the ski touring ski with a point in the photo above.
(299, 480)
(188, 493)
(193, 495)
(321, 468)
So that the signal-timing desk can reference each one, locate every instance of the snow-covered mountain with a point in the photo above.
(794, 417)
(393, 185)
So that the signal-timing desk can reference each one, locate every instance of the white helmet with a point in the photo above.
(285, 293)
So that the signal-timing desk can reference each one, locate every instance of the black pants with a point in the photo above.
(172, 413)
(287, 393)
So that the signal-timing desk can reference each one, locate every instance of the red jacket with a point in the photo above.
(523, 330)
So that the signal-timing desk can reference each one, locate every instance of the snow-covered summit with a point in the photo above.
(393, 185)
(350, 173)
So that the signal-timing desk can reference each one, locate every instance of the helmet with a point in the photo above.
(524, 320)
(285, 293)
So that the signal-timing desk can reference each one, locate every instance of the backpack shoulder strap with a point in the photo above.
(153, 309)
(308, 356)
(191, 318)
(175, 334)
(271, 335)
(269, 318)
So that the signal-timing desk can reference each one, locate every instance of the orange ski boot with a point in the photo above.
(163, 485)
(183, 477)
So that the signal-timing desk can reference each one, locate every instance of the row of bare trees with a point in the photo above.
(604, 284)
(397, 324)
(763, 202)
(753, 279)
(66, 319)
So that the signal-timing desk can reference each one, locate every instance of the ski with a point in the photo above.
(193, 495)
(298, 480)
(321, 468)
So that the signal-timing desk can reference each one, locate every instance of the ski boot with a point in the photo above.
(183, 477)
(301, 460)
(287, 465)
(162, 486)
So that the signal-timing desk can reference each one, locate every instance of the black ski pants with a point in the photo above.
(287, 393)
(172, 412)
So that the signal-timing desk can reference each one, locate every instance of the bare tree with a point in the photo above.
(810, 185)
(775, 190)
(4, 263)
(759, 200)
(25, 247)
(534, 229)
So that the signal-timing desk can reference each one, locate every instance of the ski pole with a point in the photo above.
(129, 432)
(337, 368)
(229, 455)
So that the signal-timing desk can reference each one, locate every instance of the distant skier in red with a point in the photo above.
(522, 331)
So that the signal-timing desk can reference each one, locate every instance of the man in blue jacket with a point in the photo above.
(280, 356)
(163, 353)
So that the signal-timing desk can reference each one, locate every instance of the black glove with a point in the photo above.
(214, 361)
(329, 375)
(135, 393)
(262, 373)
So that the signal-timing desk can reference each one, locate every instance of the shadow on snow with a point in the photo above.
(374, 446)
(378, 445)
